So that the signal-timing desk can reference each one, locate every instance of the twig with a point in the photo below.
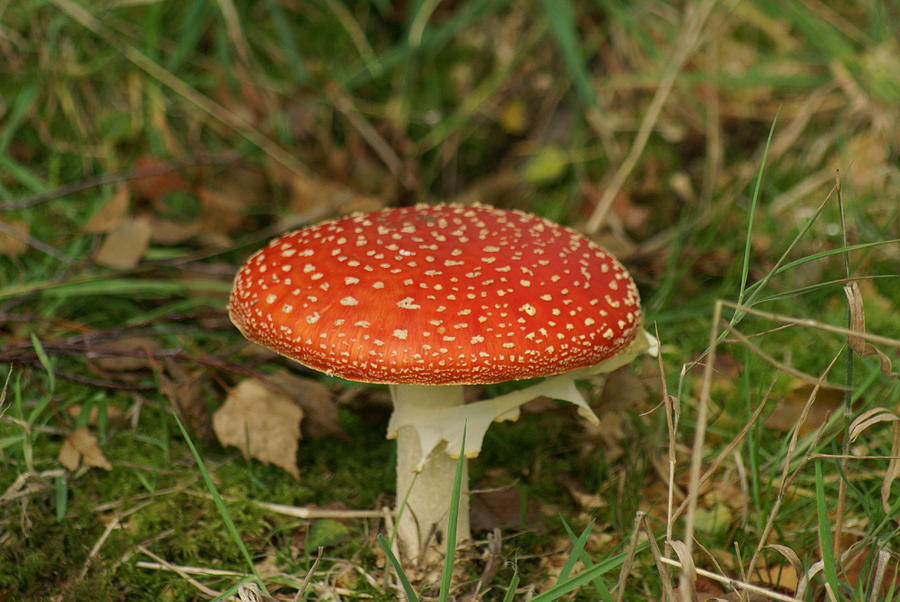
(298, 511)
(109, 178)
(35, 243)
(184, 572)
(734, 583)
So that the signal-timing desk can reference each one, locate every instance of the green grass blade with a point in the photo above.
(45, 360)
(17, 113)
(220, 503)
(583, 577)
(754, 201)
(287, 43)
(404, 581)
(452, 521)
(830, 568)
(513, 585)
(561, 17)
(433, 38)
(577, 549)
(599, 583)
(62, 497)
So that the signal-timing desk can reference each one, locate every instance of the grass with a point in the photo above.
(233, 121)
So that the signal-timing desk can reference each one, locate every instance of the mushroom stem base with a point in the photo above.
(422, 524)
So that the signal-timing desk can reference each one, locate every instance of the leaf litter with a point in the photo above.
(264, 423)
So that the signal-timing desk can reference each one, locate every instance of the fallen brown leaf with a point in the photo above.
(170, 232)
(123, 247)
(320, 414)
(136, 355)
(153, 188)
(10, 245)
(111, 214)
(80, 447)
(262, 422)
(786, 414)
(113, 414)
(184, 389)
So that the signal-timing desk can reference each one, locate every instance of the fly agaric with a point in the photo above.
(427, 299)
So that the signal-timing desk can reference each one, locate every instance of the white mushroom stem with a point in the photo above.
(428, 423)
(427, 485)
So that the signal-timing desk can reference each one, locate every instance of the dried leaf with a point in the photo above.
(320, 414)
(623, 390)
(170, 232)
(779, 575)
(9, 244)
(502, 509)
(860, 346)
(262, 422)
(136, 355)
(111, 215)
(153, 188)
(80, 447)
(789, 409)
(184, 389)
(123, 247)
(113, 414)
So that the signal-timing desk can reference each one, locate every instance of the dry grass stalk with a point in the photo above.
(694, 20)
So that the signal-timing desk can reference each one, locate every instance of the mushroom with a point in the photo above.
(427, 299)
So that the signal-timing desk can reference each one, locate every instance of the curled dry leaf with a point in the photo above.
(12, 245)
(262, 422)
(111, 214)
(124, 247)
(80, 447)
(860, 346)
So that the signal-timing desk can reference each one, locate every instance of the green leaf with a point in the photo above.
(547, 166)
(325, 532)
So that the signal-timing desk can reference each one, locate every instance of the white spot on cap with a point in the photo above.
(408, 303)
(400, 334)
(350, 280)
(528, 309)
(349, 301)
(313, 318)
(271, 298)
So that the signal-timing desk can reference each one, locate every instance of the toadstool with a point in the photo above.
(427, 299)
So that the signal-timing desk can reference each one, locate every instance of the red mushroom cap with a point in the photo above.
(444, 294)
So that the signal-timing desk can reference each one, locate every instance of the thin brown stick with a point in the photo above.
(184, 572)
(110, 178)
(35, 243)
